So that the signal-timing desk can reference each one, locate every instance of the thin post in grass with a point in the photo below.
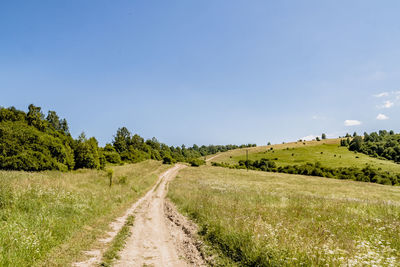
(110, 173)
(247, 159)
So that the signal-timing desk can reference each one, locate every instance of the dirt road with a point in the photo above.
(156, 240)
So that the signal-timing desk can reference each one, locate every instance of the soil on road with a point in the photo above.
(156, 238)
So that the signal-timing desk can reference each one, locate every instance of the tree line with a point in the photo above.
(366, 174)
(31, 141)
(384, 144)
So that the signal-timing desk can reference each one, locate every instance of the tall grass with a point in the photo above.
(48, 218)
(264, 219)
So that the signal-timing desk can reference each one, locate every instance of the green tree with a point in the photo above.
(87, 153)
(35, 117)
(122, 140)
(54, 120)
(356, 143)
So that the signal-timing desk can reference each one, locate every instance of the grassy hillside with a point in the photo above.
(328, 152)
(48, 218)
(262, 219)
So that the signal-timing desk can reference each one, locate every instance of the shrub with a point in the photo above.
(167, 160)
(196, 162)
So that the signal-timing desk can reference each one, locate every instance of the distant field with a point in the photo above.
(262, 219)
(48, 218)
(333, 155)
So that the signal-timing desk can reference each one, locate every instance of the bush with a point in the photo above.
(122, 179)
(196, 162)
(367, 174)
(167, 160)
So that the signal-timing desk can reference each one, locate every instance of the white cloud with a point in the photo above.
(387, 104)
(382, 117)
(352, 122)
(309, 137)
(382, 94)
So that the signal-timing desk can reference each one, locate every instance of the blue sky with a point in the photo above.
(205, 72)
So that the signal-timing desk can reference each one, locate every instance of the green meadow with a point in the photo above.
(257, 218)
(48, 218)
(328, 152)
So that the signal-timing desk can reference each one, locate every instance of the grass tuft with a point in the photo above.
(118, 243)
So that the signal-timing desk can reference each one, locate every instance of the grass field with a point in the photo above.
(263, 219)
(332, 155)
(49, 218)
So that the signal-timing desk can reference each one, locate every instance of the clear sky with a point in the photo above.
(205, 72)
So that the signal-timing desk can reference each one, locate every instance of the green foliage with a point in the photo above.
(196, 162)
(122, 179)
(31, 142)
(355, 144)
(167, 160)
(383, 145)
(87, 153)
(366, 174)
(24, 147)
(323, 136)
(134, 148)
(111, 155)
(118, 242)
(110, 174)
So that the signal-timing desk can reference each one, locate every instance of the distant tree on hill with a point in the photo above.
(355, 144)
(354, 134)
(323, 136)
(317, 138)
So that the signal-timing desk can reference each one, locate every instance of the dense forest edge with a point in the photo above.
(31, 141)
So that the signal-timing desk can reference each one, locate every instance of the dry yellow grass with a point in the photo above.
(49, 218)
(262, 219)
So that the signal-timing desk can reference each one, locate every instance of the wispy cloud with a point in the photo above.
(387, 104)
(382, 117)
(352, 122)
(383, 94)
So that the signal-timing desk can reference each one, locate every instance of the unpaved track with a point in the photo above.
(153, 240)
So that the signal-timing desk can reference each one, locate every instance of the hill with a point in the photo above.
(328, 152)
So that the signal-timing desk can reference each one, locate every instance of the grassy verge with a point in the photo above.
(49, 218)
(328, 152)
(118, 243)
(264, 219)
